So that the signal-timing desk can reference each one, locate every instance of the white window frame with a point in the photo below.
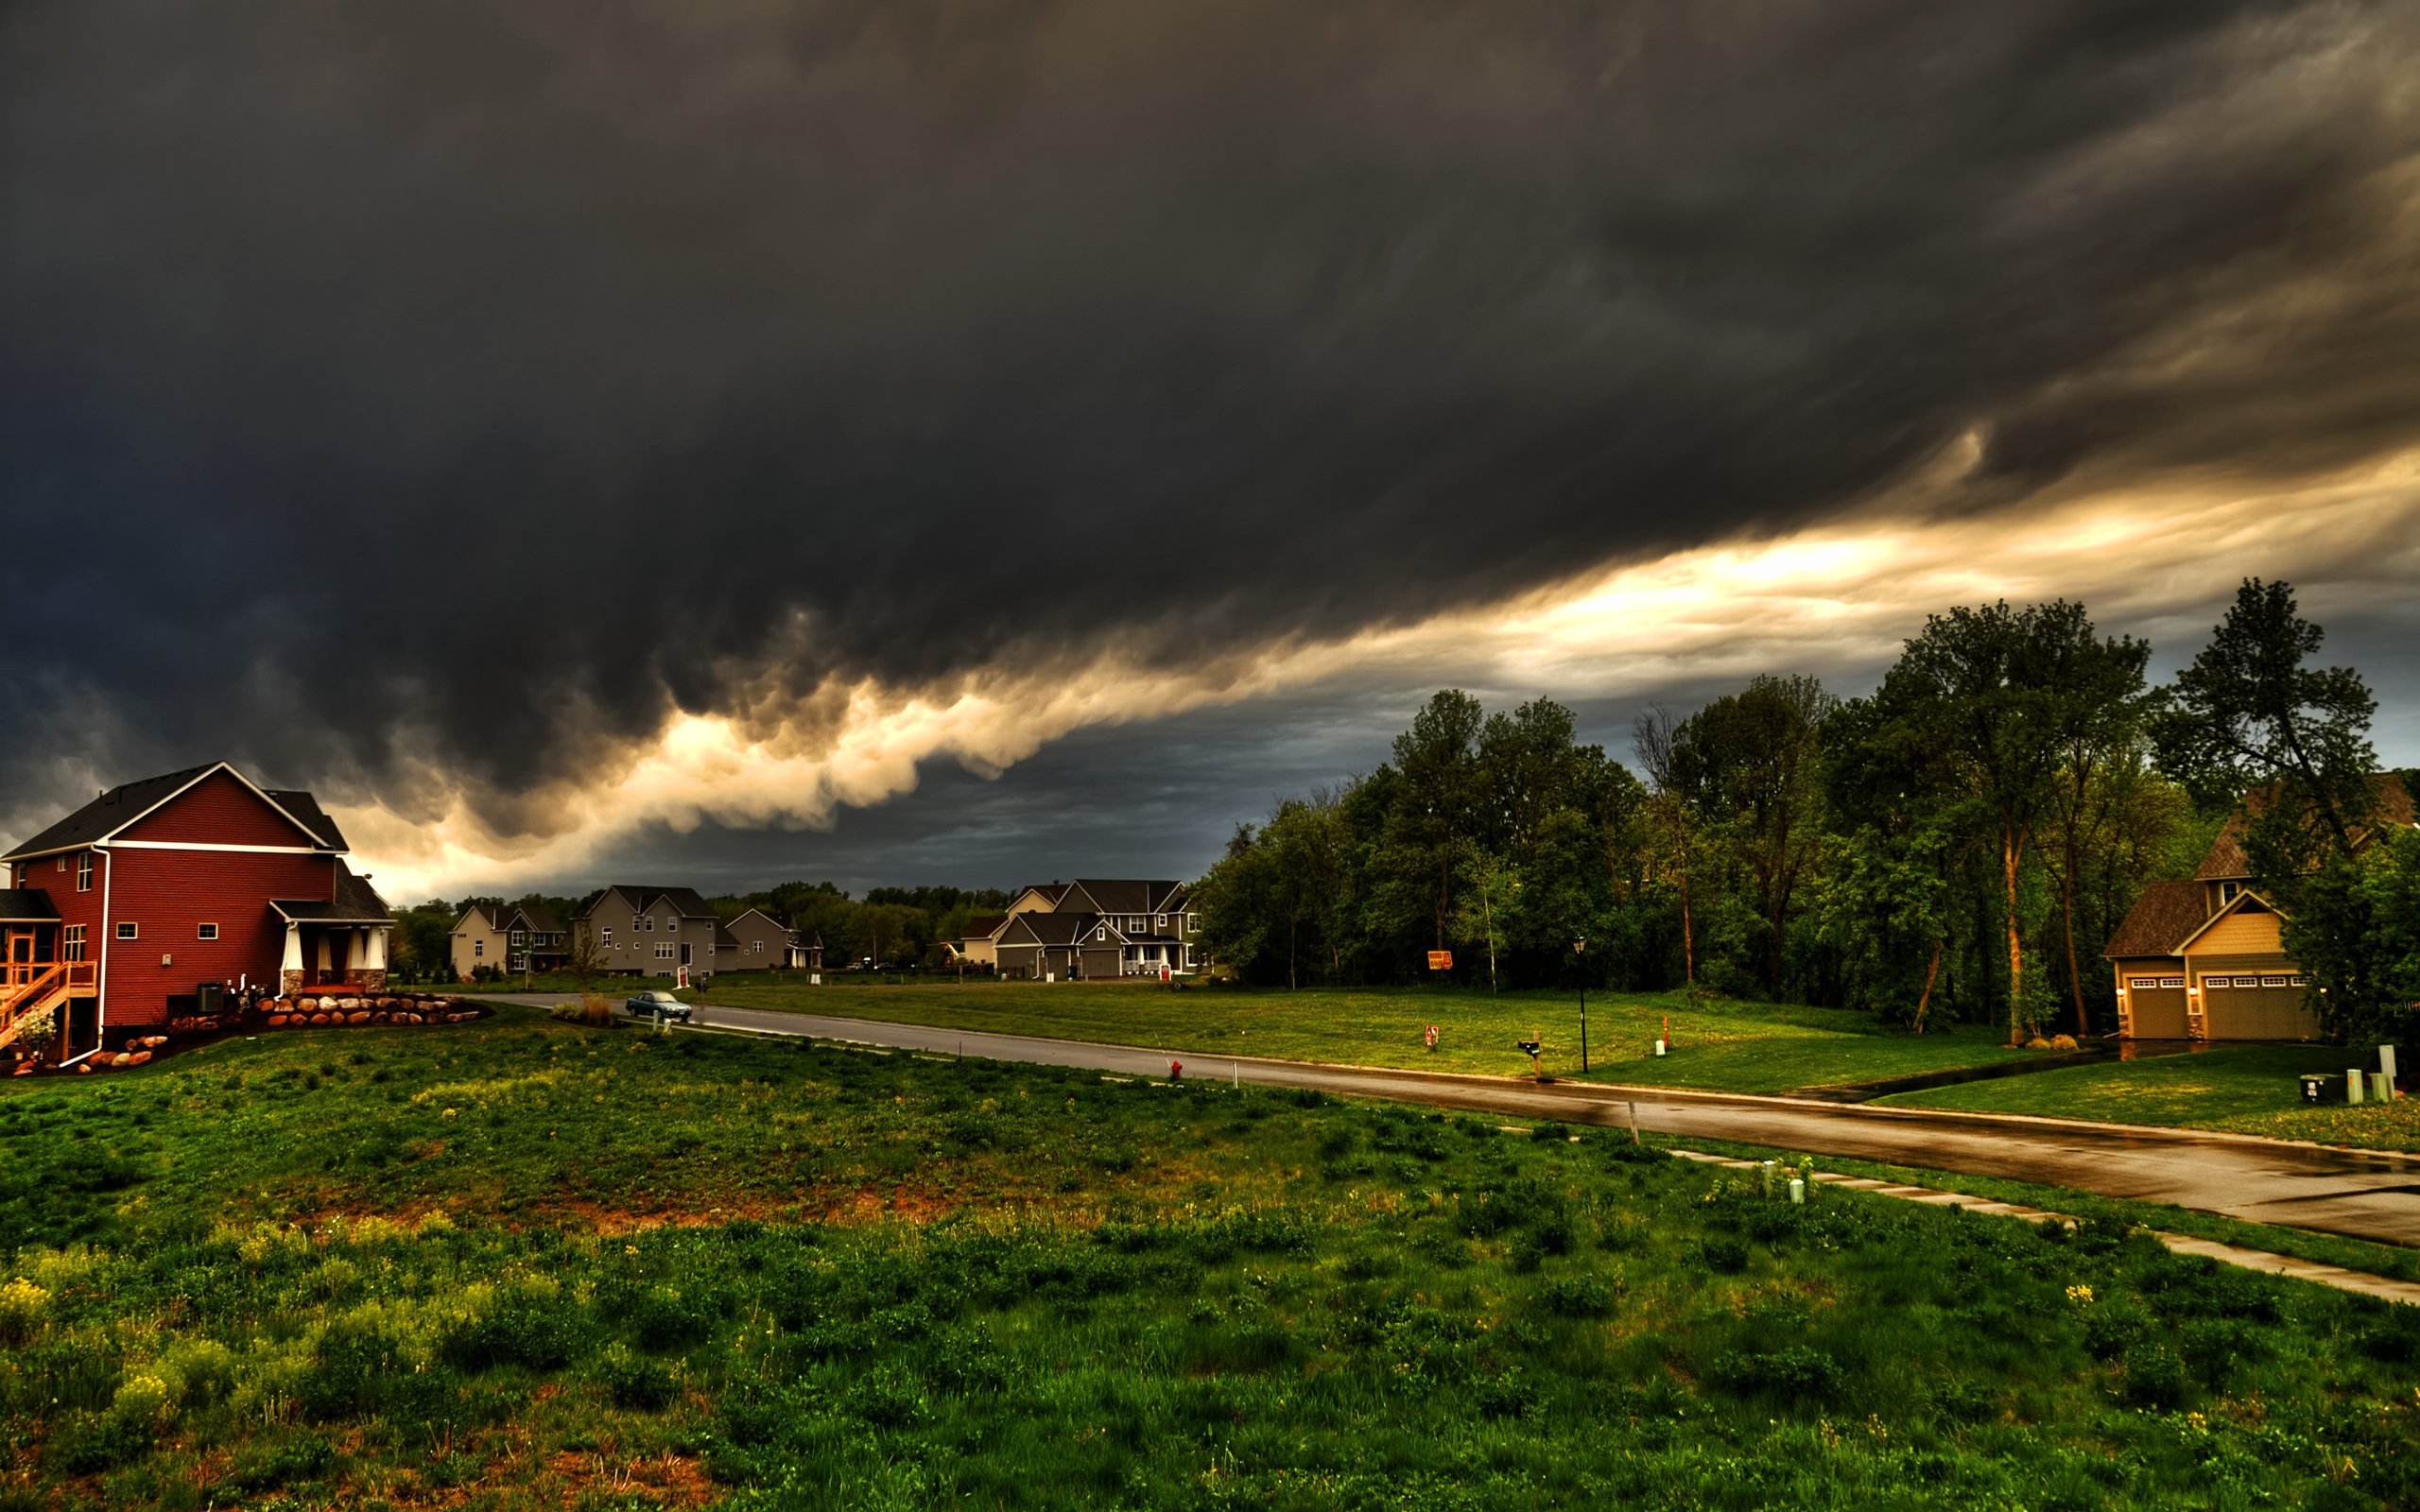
(84, 872)
(478, 950)
(2247, 981)
(63, 861)
(605, 938)
(664, 950)
(2266, 980)
(2166, 982)
(2214, 981)
(2142, 984)
(2297, 981)
(71, 942)
(1159, 921)
(205, 931)
(127, 928)
(518, 940)
(1101, 932)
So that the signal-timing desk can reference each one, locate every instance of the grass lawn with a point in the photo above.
(1730, 1046)
(523, 1265)
(2240, 1088)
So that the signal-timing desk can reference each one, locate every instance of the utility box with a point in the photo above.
(2319, 1088)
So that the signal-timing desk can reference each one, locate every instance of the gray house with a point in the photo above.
(758, 942)
(651, 931)
(1095, 929)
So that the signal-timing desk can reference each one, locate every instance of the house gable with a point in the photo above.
(2246, 926)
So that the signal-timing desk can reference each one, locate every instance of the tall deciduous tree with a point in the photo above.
(1672, 815)
(1438, 798)
(1990, 691)
(1753, 761)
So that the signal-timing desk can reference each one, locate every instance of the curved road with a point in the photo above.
(2301, 1186)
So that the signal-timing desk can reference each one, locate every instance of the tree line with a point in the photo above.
(1958, 845)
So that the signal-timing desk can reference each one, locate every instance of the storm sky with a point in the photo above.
(951, 441)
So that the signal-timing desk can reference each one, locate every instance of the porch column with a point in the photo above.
(373, 958)
(289, 974)
(353, 954)
(325, 965)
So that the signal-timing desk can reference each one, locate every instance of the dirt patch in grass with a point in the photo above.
(669, 1480)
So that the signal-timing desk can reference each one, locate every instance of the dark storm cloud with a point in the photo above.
(508, 376)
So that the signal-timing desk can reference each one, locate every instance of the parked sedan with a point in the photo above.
(656, 1006)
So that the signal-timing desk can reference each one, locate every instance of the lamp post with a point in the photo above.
(1580, 949)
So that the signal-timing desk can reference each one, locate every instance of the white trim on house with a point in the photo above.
(2230, 906)
(204, 845)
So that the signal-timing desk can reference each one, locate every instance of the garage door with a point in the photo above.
(2155, 1006)
(2246, 1005)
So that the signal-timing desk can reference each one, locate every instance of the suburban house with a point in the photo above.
(2202, 958)
(980, 945)
(511, 937)
(759, 942)
(651, 931)
(161, 896)
(1092, 929)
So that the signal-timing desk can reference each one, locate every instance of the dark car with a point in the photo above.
(653, 1004)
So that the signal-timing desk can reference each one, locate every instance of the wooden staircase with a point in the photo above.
(32, 989)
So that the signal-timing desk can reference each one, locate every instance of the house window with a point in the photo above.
(646, 922)
(672, 926)
(71, 942)
(637, 923)
(84, 872)
(478, 949)
(2247, 981)
(63, 861)
(2142, 984)
(205, 931)
(2272, 981)
(129, 931)
(755, 947)
(1101, 932)
(2214, 980)
(607, 937)
(2171, 981)
(520, 938)
(519, 961)
(1159, 921)
(664, 950)
(2296, 981)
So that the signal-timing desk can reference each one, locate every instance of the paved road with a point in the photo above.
(2367, 1196)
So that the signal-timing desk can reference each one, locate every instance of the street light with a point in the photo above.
(1580, 948)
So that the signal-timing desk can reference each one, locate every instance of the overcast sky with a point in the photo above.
(911, 442)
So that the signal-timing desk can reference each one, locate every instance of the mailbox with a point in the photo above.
(2319, 1089)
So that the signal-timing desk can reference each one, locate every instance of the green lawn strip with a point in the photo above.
(2239, 1089)
(523, 1265)
(2300, 1243)
(1720, 1046)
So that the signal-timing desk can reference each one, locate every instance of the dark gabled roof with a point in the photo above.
(536, 919)
(1123, 895)
(27, 905)
(1055, 891)
(490, 914)
(724, 938)
(2159, 922)
(983, 926)
(1061, 929)
(684, 901)
(129, 802)
(778, 922)
(2225, 860)
(305, 811)
(355, 903)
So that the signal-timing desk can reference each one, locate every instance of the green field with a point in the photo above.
(1732, 1046)
(2237, 1088)
(521, 1264)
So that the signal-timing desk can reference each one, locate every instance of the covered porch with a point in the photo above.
(43, 974)
(329, 946)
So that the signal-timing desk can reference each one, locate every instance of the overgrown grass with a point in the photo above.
(522, 1264)
(2239, 1089)
(1718, 1044)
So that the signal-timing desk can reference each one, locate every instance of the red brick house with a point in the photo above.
(160, 894)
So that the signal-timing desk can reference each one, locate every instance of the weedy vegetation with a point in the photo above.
(530, 1263)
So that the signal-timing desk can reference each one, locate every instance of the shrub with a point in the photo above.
(1723, 1254)
(634, 1379)
(1796, 1371)
(1578, 1297)
(520, 1326)
(23, 1306)
(352, 1358)
(95, 1444)
(667, 1317)
(2152, 1377)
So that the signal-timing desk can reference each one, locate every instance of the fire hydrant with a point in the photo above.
(1176, 1071)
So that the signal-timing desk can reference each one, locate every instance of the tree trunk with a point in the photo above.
(2068, 919)
(1774, 908)
(1292, 983)
(1923, 1000)
(1689, 944)
(2015, 950)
